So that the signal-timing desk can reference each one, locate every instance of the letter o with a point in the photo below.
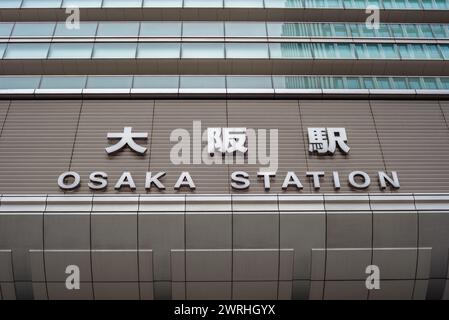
(355, 184)
(75, 184)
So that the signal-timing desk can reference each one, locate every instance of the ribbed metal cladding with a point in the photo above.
(4, 105)
(365, 153)
(409, 137)
(99, 118)
(414, 139)
(278, 115)
(36, 145)
(445, 109)
(177, 114)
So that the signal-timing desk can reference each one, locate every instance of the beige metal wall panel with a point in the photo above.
(178, 114)
(365, 153)
(4, 105)
(97, 119)
(36, 145)
(414, 139)
(445, 109)
(265, 114)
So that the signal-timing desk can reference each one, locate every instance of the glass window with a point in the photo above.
(373, 51)
(368, 83)
(399, 83)
(205, 82)
(438, 31)
(432, 52)
(27, 51)
(41, 3)
(326, 30)
(389, 51)
(203, 50)
(383, 31)
(430, 83)
(164, 50)
(122, 3)
(283, 4)
(396, 30)
(203, 29)
(383, 83)
(411, 30)
(345, 51)
(418, 51)
(33, 29)
(82, 3)
(86, 29)
(249, 82)
(5, 29)
(287, 29)
(441, 4)
(445, 51)
(114, 51)
(160, 29)
(71, 51)
(340, 30)
(10, 3)
(368, 33)
(203, 3)
(388, 4)
(294, 82)
(324, 51)
(414, 4)
(426, 31)
(63, 82)
(243, 3)
(415, 83)
(355, 31)
(156, 82)
(355, 4)
(109, 82)
(404, 51)
(118, 29)
(445, 83)
(427, 4)
(20, 82)
(331, 82)
(353, 83)
(290, 50)
(162, 3)
(246, 51)
(245, 29)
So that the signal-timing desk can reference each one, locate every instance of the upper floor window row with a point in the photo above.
(223, 29)
(338, 4)
(205, 50)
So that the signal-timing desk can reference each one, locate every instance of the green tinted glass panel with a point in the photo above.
(160, 29)
(86, 29)
(242, 82)
(25, 82)
(156, 82)
(109, 82)
(70, 51)
(114, 51)
(164, 50)
(63, 82)
(203, 50)
(212, 82)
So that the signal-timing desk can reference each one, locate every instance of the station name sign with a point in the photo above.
(233, 144)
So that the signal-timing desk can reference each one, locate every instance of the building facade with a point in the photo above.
(224, 149)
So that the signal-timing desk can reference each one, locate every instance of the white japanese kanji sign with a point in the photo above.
(326, 140)
(127, 138)
(226, 140)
